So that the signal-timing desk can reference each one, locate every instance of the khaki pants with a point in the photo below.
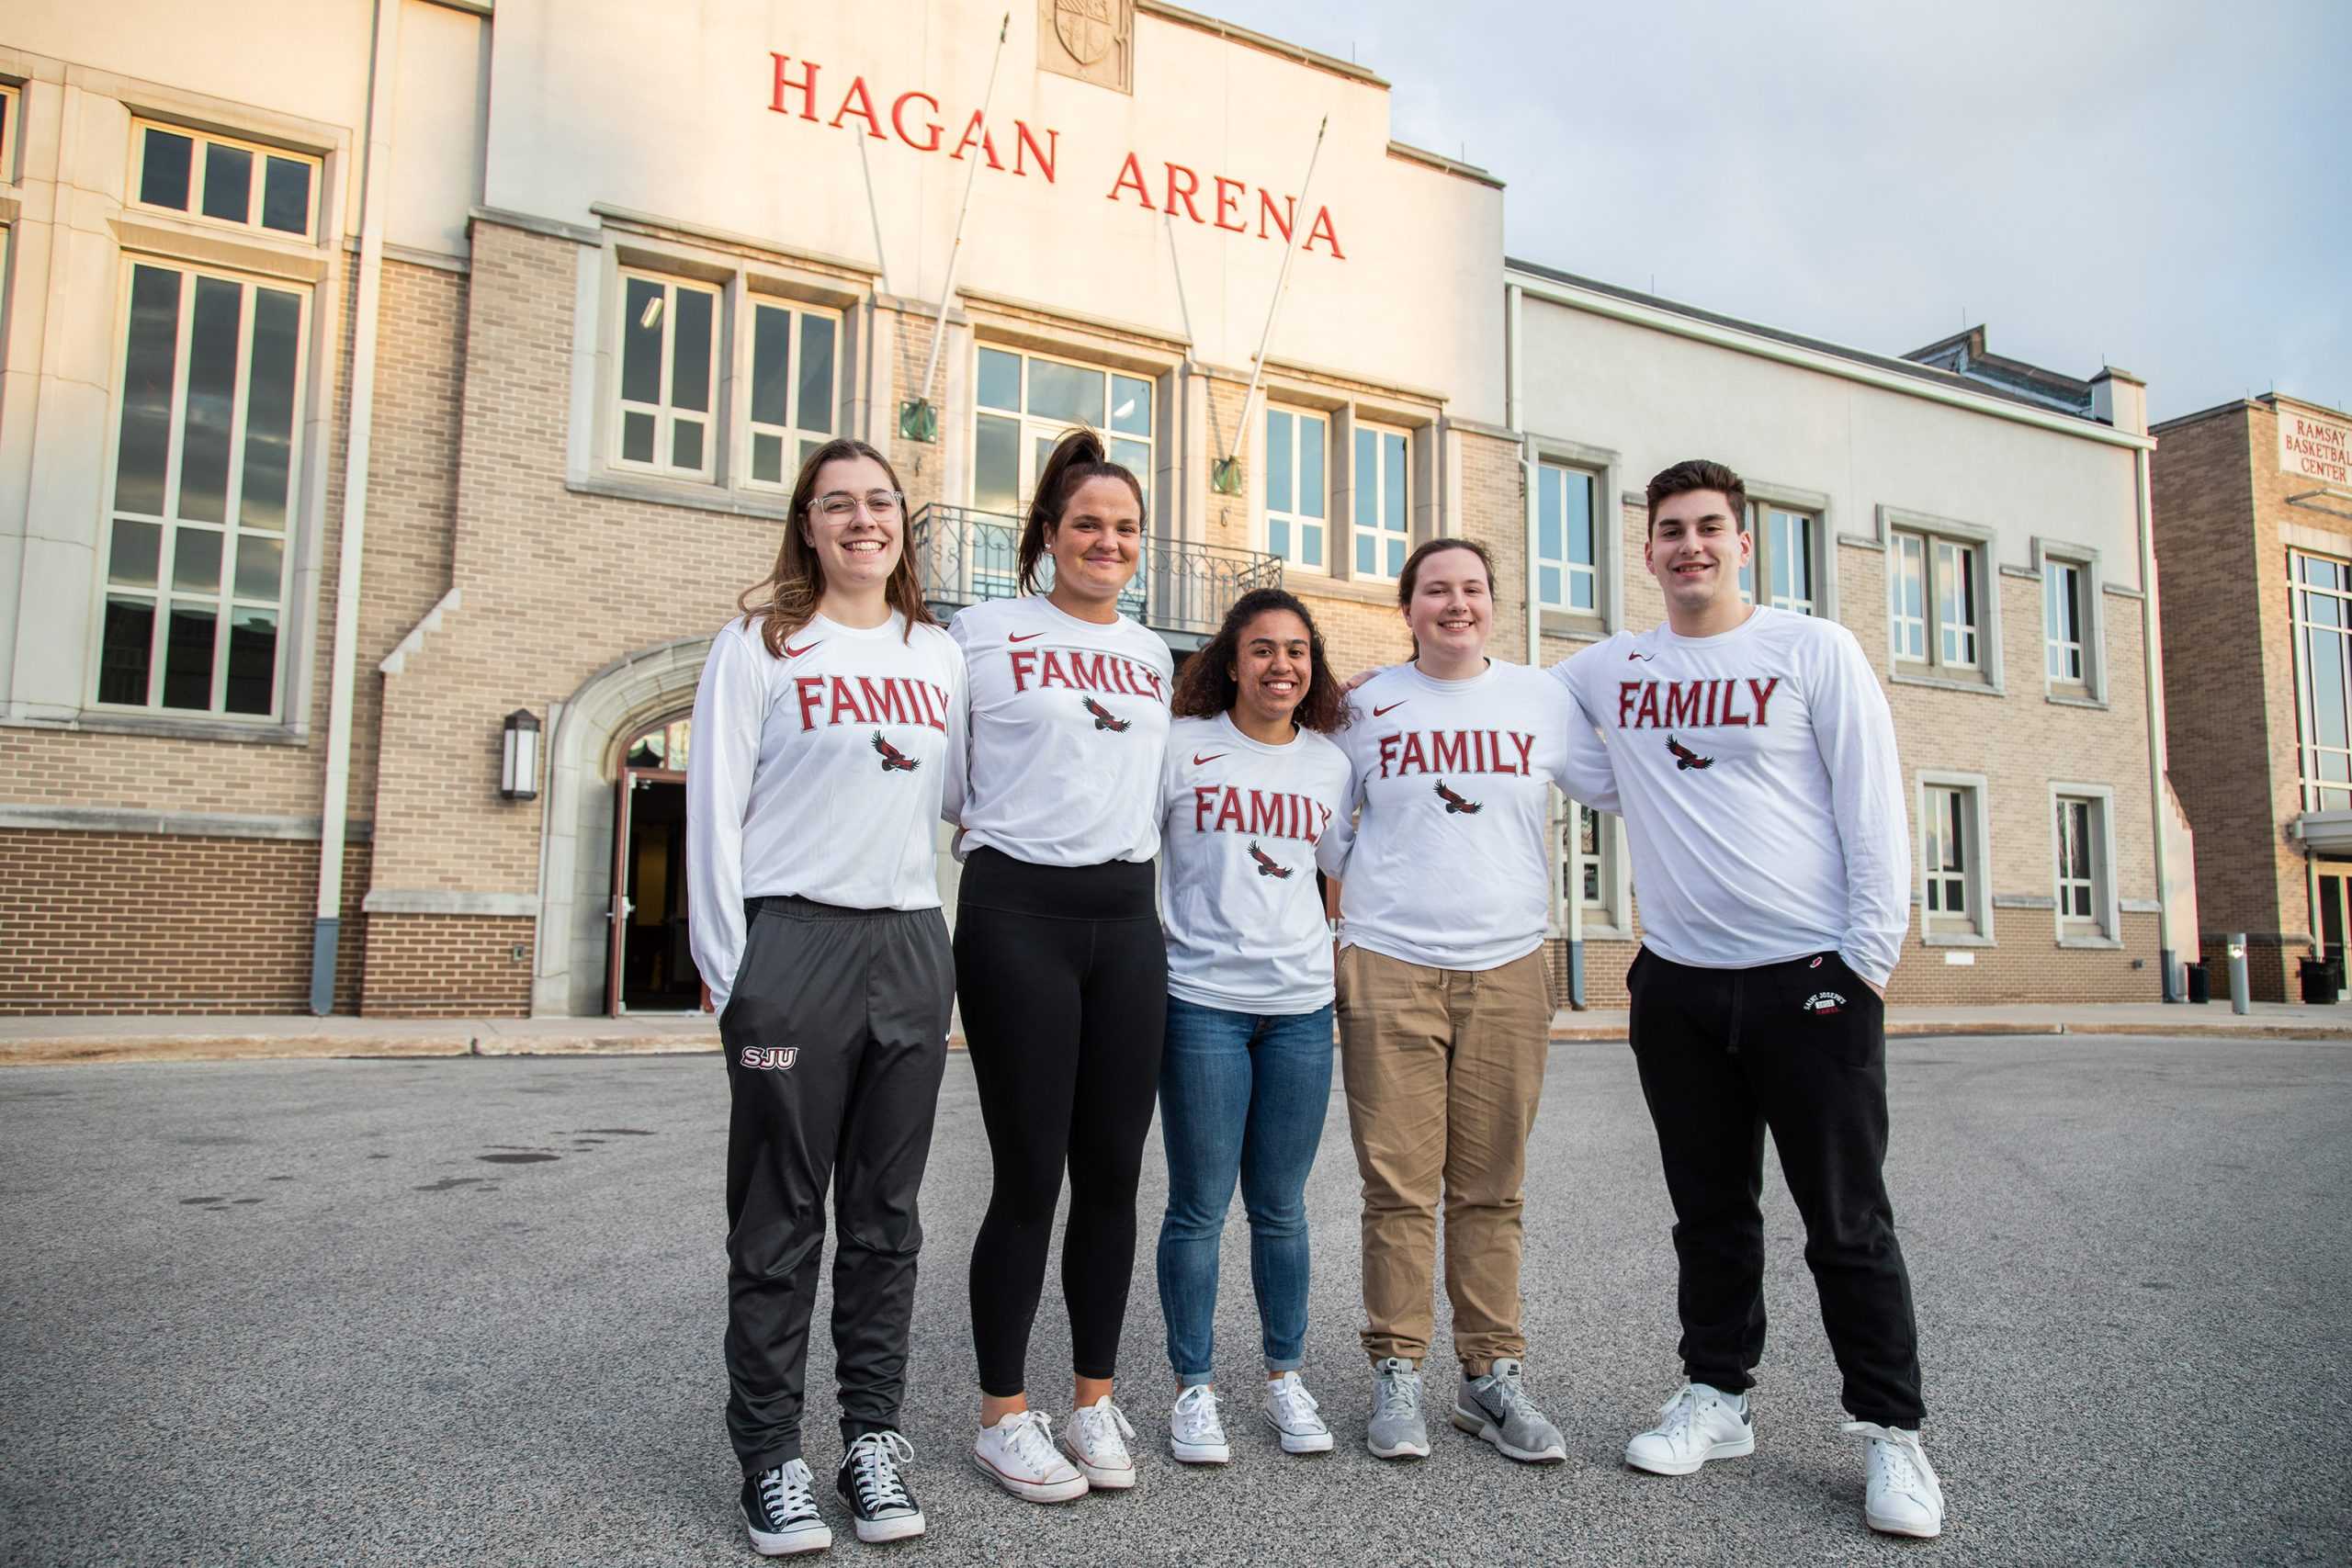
(1443, 1070)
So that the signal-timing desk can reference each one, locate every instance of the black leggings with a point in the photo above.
(1062, 974)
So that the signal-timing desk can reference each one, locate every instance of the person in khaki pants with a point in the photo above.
(1444, 1009)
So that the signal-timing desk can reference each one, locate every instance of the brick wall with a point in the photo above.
(154, 923)
(447, 966)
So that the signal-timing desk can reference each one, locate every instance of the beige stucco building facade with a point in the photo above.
(430, 372)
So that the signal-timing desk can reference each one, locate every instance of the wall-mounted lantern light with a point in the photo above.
(518, 766)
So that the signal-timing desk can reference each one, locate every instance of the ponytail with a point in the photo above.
(1076, 459)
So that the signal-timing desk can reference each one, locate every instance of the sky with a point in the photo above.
(2164, 186)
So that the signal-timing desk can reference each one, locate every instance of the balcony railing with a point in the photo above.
(1181, 590)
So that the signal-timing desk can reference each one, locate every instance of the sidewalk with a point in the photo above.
(58, 1039)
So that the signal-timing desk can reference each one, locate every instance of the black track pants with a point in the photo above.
(1801, 1048)
(1063, 975)
(835, 1038)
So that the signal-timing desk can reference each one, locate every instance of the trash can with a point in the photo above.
(2199, 988)
(2322, 981)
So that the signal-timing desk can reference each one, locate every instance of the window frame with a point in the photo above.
(198, 172)
(1605, 917)
(1765, 553)
(224, 599)
(1035, 426)
(1565, 563)
(664, 412)
(2103, 926)
(2091, 590)
(12, 119)
(1378, 533)
(2314, 790)
(742, 358)
(1982, 674)
(1973, 927)
(1293, 517)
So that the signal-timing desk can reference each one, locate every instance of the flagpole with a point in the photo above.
(921, 399)
(1227, 474)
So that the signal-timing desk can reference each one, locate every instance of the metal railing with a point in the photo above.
(1182, 590)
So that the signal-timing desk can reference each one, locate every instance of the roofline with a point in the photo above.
(2268, 403)
(1299, 54)
(1884, 371)
(1443, 164)
(2177, 421)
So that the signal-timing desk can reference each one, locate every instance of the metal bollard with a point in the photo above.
(2237, 973)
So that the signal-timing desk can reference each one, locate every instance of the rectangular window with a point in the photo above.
(209, 177)
(2323, 617)
(1592, 845)
(795, 400)
(1785, 556)
(1026, 402)
(668, 385)
(1383, 526)
(1934, 588)
(12, 104)
(2064, 616)
(2081, 910)
(1567, 575)
(1950, 857)
(205, 468)
(1297, 498)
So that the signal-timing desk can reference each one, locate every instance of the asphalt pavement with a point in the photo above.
(468, 1311)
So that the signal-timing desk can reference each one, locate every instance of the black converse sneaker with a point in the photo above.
(871, 1483)
(780, 1511)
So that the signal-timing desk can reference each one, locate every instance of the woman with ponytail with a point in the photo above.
(828, 739)
(1059, 962)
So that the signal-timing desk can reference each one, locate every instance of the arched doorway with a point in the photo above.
(649, 967)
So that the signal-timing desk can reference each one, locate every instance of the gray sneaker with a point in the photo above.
(1497, 1407)
(1398, 1430)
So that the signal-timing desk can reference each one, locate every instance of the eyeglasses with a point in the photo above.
(840, 506)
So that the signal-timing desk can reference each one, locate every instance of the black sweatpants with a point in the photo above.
(1063, 975)
(835, 1038)
(1801, 1048)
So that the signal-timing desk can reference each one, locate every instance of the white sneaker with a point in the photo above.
(1195, 1434)
(1702, 1423)
(1902, 1497)
(1095, 1440)
(1018, 1454)
(1290, 1410)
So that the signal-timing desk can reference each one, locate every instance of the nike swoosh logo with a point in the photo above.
(792, 652)
(1631, 657)
(1023, 637)
(1198, 760)
(1392, 708)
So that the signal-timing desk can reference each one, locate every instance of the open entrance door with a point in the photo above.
(649, 965)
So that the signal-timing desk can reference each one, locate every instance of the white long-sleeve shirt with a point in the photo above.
(819, 774)
(1242, 825)
(1762, 799)
(1068, 727)
(1449, 864)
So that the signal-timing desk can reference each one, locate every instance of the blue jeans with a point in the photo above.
(1240, 1096)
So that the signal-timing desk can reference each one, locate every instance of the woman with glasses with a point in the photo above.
(1059, 961)
(827, 738)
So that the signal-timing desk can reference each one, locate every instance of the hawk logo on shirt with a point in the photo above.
(769, 1058)
(1821, 1004)
(1104, 718)
(893, 759)
(1455, 804)
(1267, 865)
(1685, 758)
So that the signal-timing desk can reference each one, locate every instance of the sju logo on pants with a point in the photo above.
(769, 1057)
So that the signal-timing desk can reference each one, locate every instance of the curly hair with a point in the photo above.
(1208, 686)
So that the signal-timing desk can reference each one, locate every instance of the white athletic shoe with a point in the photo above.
(1018, 1454)
(1290, 1410)
(1702, 1423)
(1195, 1433)
(1902, 1497)
(1095, 1440)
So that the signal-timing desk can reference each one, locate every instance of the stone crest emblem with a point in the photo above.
(1087, 28)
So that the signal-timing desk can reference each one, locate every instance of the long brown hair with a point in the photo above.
(1412, 573)
(1207, 688)
(1076, 459)
(790, 596)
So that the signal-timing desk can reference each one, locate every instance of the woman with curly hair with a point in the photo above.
(1252, 785)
